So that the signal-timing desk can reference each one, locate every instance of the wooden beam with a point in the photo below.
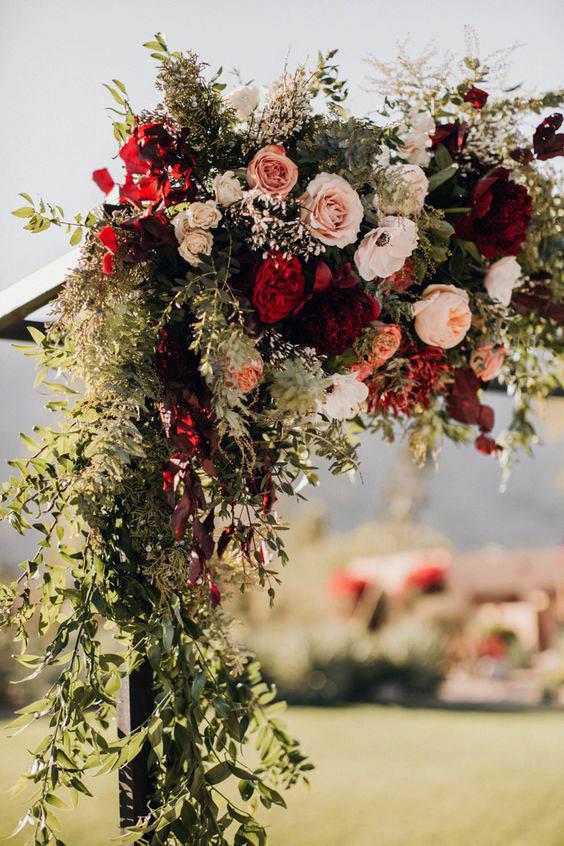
(135, 704)
(31, 293)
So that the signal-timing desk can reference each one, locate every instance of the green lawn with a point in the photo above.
(390, 777)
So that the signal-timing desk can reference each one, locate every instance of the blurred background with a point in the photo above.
(418, 634)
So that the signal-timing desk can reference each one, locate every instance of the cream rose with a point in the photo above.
(442, 316)
(243, 101)
(415, 137)
(501, 278)
(384, 250)
(404, 190)
(487, 360)
(227, 188)
(272, 171)
(196, 243)
(332, 210)
(196, 216)
(345, 397)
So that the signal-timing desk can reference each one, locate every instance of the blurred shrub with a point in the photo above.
(337, 665)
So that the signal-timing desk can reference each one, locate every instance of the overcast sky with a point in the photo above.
(55, 55)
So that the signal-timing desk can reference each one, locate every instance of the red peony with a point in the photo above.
(501, 211)
(279, 286)
(423, 374)
(476, 97)
(332, 321)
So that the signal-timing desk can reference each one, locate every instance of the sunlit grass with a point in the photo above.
(386, 777)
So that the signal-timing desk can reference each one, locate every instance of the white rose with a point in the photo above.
(404, 190)
(501, 278)
(243, 101)
(416, 137)
(384, 250)
(344, 399)
(227, 188)
(196, 216)
(196, 243)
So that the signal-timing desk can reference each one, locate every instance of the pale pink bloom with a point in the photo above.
(384, 250)
(501, 278)
(332, 210)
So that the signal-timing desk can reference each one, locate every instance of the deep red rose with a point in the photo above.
(450, 135)
(332, 321)
(476, 97)
(279, 287)
(501, 211)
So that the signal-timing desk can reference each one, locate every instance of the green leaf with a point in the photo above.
(442, 176)
(24, 211)
(218, 773)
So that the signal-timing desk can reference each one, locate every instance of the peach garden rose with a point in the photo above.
(442, 316)
(487, 360)
(272, 171)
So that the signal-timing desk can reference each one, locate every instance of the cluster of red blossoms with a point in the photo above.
(328, 314)
(158, 165)
(424, 373)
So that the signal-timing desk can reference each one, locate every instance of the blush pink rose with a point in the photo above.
(248, 377)
(487, 360)
(272, 171)
(332, 210)
(442, 316)
(385, 343)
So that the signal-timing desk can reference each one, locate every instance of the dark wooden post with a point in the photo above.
(135, 704)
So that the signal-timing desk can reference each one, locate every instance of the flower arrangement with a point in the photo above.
(263, 280)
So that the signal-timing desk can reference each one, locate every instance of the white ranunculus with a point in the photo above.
(404, 189)
(415, 136)
(344, 398)
(196, 243)
(243, 101)
(501, 278)
(227, 188)
(384, 250)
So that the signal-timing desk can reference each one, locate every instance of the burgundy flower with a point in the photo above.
(423, 374)
(538, 298)
(158, 165)
(278, 289)
(333, 320)
(501, 211)
(476, 97)
(463, 405)
(450, 135)
(547, 143)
